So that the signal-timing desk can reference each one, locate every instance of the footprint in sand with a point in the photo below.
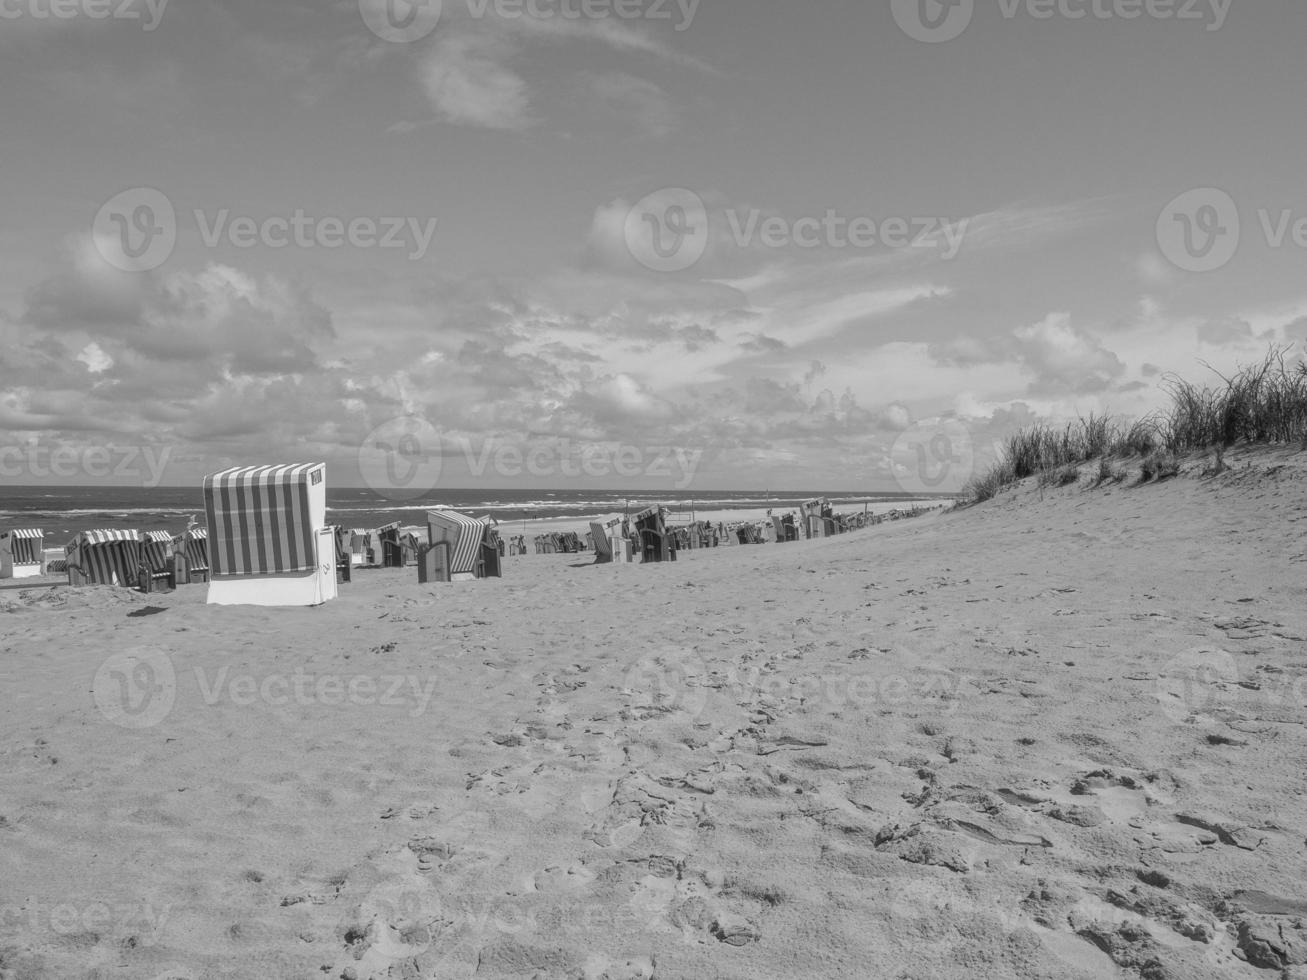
(574, 877)
(603, 968)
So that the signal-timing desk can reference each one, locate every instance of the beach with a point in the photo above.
(1057, 734)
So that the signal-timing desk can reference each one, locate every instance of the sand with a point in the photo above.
(1057, 735)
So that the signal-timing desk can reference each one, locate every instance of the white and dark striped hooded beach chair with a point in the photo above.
(269, 543)
(459, 548)
(157, 571)
(779, 526)
(104, 558)
(603, 545)
(22, 553)
(657, 544)
(194, 547)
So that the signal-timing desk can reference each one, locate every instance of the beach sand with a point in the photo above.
(1060, 734)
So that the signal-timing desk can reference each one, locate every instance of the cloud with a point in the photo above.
(1058, 356)
(219, 318)
(1225, 331)
(1024, 224)
(623, 400)
(1064, 358)
(640, 103)
(609, 32)
(469, 79)
(762, 344)
(467, 82)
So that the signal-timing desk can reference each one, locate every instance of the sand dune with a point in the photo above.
(1057, 735)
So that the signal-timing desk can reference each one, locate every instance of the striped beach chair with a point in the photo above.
(344, 557)
(22, 553)
(156, 572)
(409, 544)
(193, 548)
(104, 558)
(603, 544)
(656, 543)
(459, 548)
(389, 552)
(814, 514)
(269, 543)
(779, 526)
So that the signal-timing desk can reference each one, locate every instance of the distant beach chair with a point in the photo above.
(344, 556)
(656, 544)
(22, 553)
(157, 570)
(190, 551)
(410, 544)
(814, 514)
(358, 547)
(104, 558)
(459, 548)
(603, 545)
(269, 542)
(389, 548)
(779, 527)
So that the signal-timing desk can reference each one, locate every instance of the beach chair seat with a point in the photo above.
(433, 563)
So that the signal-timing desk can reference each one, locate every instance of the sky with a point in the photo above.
(630, 244)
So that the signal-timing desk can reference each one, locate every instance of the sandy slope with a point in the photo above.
(1059, 735)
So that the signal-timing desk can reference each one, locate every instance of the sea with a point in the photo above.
(62, 512)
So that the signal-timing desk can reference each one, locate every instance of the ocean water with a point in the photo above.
(64, 511)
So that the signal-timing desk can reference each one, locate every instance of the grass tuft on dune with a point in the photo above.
(1260, 404)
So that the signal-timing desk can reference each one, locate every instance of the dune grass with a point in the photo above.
(1264, 403)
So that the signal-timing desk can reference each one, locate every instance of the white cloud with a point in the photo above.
(467, 82)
